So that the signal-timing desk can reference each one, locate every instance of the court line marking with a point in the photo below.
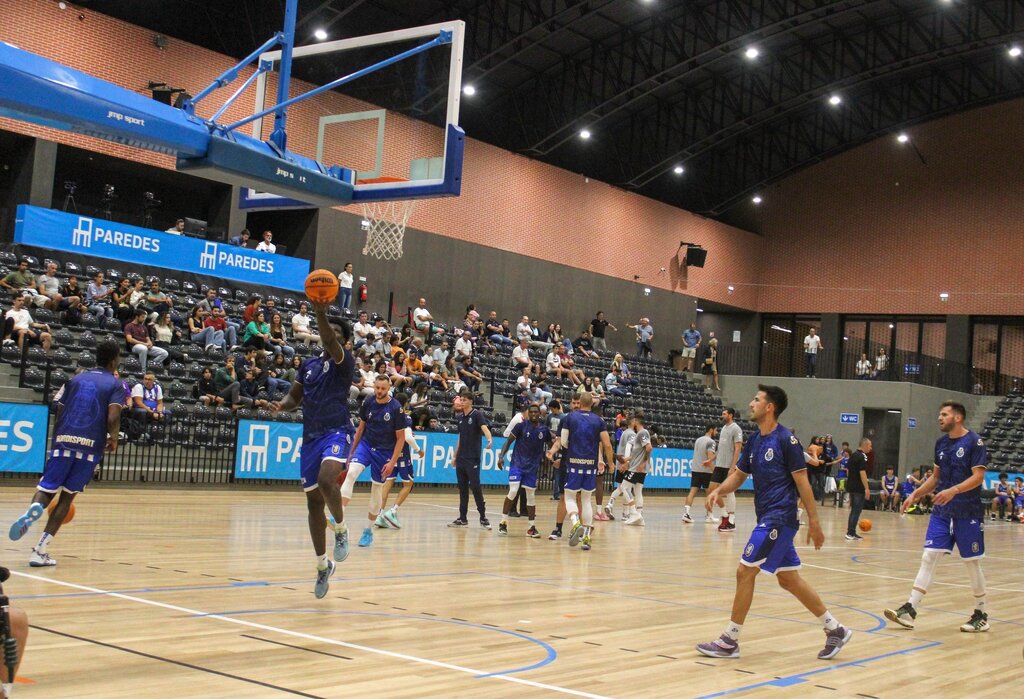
(909, 580)
(319, 639)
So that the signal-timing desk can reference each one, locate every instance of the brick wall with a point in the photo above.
(508, 201)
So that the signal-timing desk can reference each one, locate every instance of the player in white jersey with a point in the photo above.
(703, 466)
(623, 488)
(639, 459)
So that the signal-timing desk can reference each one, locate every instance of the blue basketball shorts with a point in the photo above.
(67, 470)
(968, 533)
(526, 477)
(403, 469)
(1019, 501)
(333, 445)
(373, 458)
(580, 478)
(770, 548)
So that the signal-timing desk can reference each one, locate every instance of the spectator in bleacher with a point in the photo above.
(137, 299)
(20, 280)
(277, 376)
(148, 400)
(551, 335)
(253, 306)
(71, 290)
(345, 280)
(136, 334)
(496, 332)
(422, 320)
(564, 352)
(159, 303)
(419, 407)
(709, 366)
(594, 386)
(625, 375)
(881, 365)
(440, 354)
(361, 330)
(293, 369)
(225, 380)
(691, 345)
(397, 371)
(122, 296)
(468, 375)
(464, 346)
(584, 346)
(178, 228)
(267, 244)
(521, 357)
(220, 324)
(405, 338)
(414, 369)
(536, 394)
(19, 325)
(97, 298)
(644, 337)
(269, 308)
(204, 335)
(598, 327)
(257, 334)
(48, 286)
(242, 239)
(300, 327)
(167, 337)
(250, 390)
(863, 368)
(611, 383)
(362, 381)
(525, 331)
(278, 341)
(205, 390)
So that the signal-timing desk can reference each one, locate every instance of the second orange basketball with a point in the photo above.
(321, 286)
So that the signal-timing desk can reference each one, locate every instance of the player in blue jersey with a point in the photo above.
(321, 387)
(583, 436)
(379, 441)
(1018, 498)
(774, 457)
(403, 469)
(531, 438)
(1002, 498)
(88, 421)
(958, 516)
(889, 492)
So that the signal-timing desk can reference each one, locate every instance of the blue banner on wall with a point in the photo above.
(271, 450)
(57, 230)
(23, 437)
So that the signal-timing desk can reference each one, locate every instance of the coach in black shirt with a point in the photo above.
(472, 425)
(597, 330)
(857, 487)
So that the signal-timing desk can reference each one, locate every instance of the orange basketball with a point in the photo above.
(321, 286)
(865, 525)
(71, 510)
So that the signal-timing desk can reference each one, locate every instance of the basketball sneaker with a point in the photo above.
(367, 538)
(723, 647)
(380, 522)
(391, 517)
(585, 542)
(977, 623)
(609, 511)
(43, 560)
(854, 537)
(710, 519)
(904, 616)
(533, 533)
(555, 534)
(687, 519)
(635, 520)
(341, 546)
(323, 580)
(834, 642)
(485, 523)
(575, 531)
(23, 523)
(458, 523)
(503, 528)
(727, 525)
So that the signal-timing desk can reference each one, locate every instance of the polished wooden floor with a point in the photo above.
(209, 594)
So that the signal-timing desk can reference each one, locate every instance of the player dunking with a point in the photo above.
(958, 517)
(583, 436)
(321, 387)
(774, 457)
(403, 470)
(88, 421)
(531, 437)
(379, 441)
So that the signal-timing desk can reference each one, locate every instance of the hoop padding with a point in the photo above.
(386, 230)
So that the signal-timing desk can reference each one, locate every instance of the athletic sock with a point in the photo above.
(394, 508)
(611, 501)
(504, 520)
(687, 508)
(732, 630)
(340, 528)
(44, 541)
(829, 621)
(533, 523)
(915, 598)
(979, 603)
(321, 562)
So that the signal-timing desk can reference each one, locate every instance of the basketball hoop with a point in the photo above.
(385, 223)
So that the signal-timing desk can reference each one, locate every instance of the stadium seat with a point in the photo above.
(87, 340)
(62, 358)
(190, 288)
(36, 356)
(112, 325)
(223, 414)
(86, 360)
(176, 370)
(58, 378)
(9, 259)
(171, 284)
(11, 354)
(131, 364)
(34, 378)
(89, 321)
(113, 275)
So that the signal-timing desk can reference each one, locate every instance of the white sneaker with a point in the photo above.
(708, 519)
(636, 520)
(41, 560)
(687, 519)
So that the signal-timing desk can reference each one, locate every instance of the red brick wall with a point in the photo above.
(875, 230)
(508, 201)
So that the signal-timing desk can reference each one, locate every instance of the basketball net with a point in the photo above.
(386, 229)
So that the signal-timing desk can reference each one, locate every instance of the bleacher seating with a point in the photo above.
(1004, 434)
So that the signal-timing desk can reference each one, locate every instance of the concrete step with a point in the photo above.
(14, 394)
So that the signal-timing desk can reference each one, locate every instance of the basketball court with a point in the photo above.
(204, 594)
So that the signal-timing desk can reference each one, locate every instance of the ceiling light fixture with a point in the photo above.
(835, 100)
(757, 199)
(903, 138)
(751, 53)
(468, 90)
(320, 34)
(585, 134)
(678, 169)
(1014, 52)
(944, 296)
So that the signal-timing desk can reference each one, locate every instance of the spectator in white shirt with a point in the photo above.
(812, 343)
(524, 331)
(266, 245)
(441, 354)
(864, 367)
(18, 325)
(178, 228)
(521, 357)
(300, 327)
(345, 286)
(362, 381)
(553, 366)
(531, 389)
(464, 346)
(148, 400)
(611, 383)
(421, 321)
(362, 331)
(49, 290)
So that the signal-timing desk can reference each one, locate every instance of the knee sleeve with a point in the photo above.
(627, 492)
(530, 496)
(570, 502)
(375, 498)
(730, 503)
(350, 480)
(588, 509)
(638, 498)
(513, 489)
(976, 575)
(929, 559)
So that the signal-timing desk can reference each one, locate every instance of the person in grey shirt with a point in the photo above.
(730, 443)
(644, 336)
(622, 452)
(700, 470)
(639, 458)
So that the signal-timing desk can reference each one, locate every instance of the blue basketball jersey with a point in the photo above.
(382, 420)
(531, 443)
(772, 459)
(325, 385)
(956, 459)
(889, 483)
(82, 422)
(585, 430)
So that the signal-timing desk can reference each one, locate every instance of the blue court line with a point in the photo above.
(801, 677)
(552, 654)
